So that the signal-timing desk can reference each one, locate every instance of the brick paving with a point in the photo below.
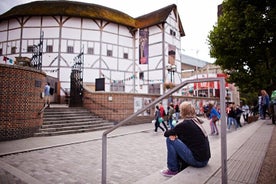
(268, 171)
(130, 157)
(81, 163)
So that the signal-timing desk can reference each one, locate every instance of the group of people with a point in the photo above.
(233, 113)
(187, 141)
(172, 116)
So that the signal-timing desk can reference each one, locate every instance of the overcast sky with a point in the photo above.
(198, 18)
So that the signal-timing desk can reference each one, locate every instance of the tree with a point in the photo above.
(243, 44)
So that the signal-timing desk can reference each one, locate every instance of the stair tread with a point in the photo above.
(73, 127)
(71, 131)
(57, 121)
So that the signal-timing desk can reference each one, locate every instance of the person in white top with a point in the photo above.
(245, 109)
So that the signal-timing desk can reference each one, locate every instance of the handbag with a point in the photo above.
(160, 120)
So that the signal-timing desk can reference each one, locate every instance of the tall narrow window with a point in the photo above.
(13, 50)
(49, 48)
(30, 49)
(125, 55)
(90, 50)
(109, 53)
(70, 49)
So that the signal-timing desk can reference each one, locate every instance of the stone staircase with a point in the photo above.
(68, 120)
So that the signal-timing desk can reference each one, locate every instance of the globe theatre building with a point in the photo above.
(133, 55)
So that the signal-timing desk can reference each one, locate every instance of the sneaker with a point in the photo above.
(168, 173)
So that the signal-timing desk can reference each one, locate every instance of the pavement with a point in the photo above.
(135, 154)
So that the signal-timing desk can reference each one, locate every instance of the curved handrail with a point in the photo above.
(176, 88)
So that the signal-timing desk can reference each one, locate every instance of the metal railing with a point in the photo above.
(42, 110)
(176, 88)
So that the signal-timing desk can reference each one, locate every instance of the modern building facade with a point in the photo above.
(134, 55)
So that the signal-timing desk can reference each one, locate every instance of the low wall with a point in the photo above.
(20, 101)
(116, 106)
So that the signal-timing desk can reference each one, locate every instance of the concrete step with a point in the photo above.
(70, 126)
(67, 120)
(71, 131)
(74, 123)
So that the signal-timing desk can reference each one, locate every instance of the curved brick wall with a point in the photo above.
(20, 101)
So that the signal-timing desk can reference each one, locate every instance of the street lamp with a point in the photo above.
(227, 95)
(171, 69)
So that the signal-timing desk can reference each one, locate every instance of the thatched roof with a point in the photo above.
(88, 10)
(157, 17)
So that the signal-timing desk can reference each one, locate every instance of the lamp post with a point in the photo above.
(227, 95)
(171, 69)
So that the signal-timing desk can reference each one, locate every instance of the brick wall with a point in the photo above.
(118, 106)
(20, 101)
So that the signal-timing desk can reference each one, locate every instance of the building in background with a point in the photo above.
(130, 54)
(193, 68)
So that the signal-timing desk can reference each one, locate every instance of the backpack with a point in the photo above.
(51, 91)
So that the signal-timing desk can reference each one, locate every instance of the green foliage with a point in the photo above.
(243, 43)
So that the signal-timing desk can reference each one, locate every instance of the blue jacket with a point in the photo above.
(214, 112)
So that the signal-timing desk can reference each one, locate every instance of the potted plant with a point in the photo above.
(169, 85)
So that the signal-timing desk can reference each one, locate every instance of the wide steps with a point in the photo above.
(71, 131)
(68, 120)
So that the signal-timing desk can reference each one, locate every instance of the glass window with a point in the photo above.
(109, 53)
(90, 50)
(70, 49)
(49, 48)
(125, 55)
(13, 50)
(30, 49)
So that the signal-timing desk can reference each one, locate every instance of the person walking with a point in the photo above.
(260, 106)
(231, 120)
(187, 142)
(170, 115)
(238, 113)
(265, 103)
(214, 116)
(177, 112)
(47, 95)
(158, 118)
(162, 114)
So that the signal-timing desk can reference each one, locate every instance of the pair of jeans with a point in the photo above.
(214, 128)
(232, 121)
(170, 123)
(178, 148)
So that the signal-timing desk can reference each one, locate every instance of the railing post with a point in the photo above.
(104, 156)
(223, 140)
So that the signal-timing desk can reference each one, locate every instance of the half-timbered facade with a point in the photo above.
(130, 54)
